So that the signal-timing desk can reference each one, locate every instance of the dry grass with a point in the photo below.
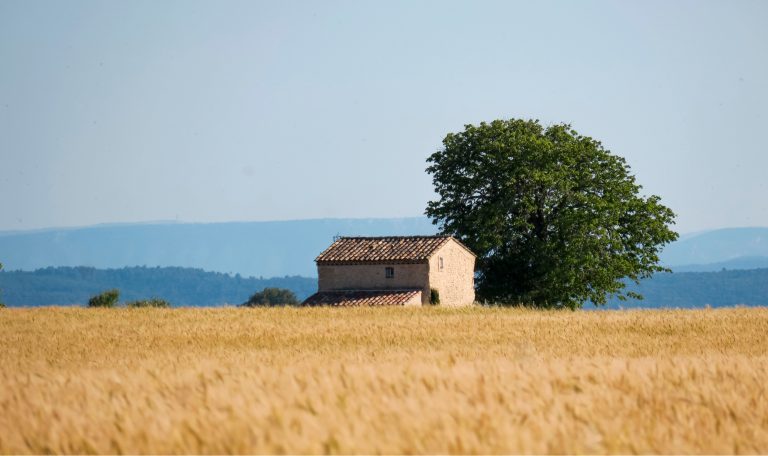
(383, 380)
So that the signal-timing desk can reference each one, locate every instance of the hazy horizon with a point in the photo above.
(683, 234)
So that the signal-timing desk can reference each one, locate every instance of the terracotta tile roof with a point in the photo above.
(350, 298)
(390, 249)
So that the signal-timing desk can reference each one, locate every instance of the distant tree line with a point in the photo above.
(180, 286)
(194, 287)
(699, 289)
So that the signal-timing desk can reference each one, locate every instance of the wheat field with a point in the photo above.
(383, 380)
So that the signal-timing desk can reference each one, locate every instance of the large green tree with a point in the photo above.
(555, 219)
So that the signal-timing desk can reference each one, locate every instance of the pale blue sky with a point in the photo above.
(216, 111)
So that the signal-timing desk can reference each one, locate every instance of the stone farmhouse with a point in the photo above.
(394, 270)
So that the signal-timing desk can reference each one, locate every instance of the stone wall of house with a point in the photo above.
(373, 277)
(456, 280)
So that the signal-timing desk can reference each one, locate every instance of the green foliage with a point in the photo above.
(272, 297)
(555, 219)
(434, 296)
(153, 302)
(105, 299)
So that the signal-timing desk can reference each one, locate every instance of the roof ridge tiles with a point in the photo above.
(382, 249)
(415, 236)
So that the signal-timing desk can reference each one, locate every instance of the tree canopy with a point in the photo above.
(272, 297)
(555, 219)
(105, 299)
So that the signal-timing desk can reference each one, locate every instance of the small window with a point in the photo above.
(440, 263)
(389, 272)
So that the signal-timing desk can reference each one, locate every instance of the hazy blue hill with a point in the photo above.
(256, 249)
(286, 248)
(751, 262)
(180, 286)
(699, 289)
(195, 287)
(278, 249)
(717, 246)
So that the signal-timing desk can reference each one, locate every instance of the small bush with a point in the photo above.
(105, 299)
(272, 297)
(434, 296)
(154, 302)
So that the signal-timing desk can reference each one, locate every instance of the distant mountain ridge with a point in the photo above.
(274, 249)
(745, 262)
(717, 246)
(258, 249)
